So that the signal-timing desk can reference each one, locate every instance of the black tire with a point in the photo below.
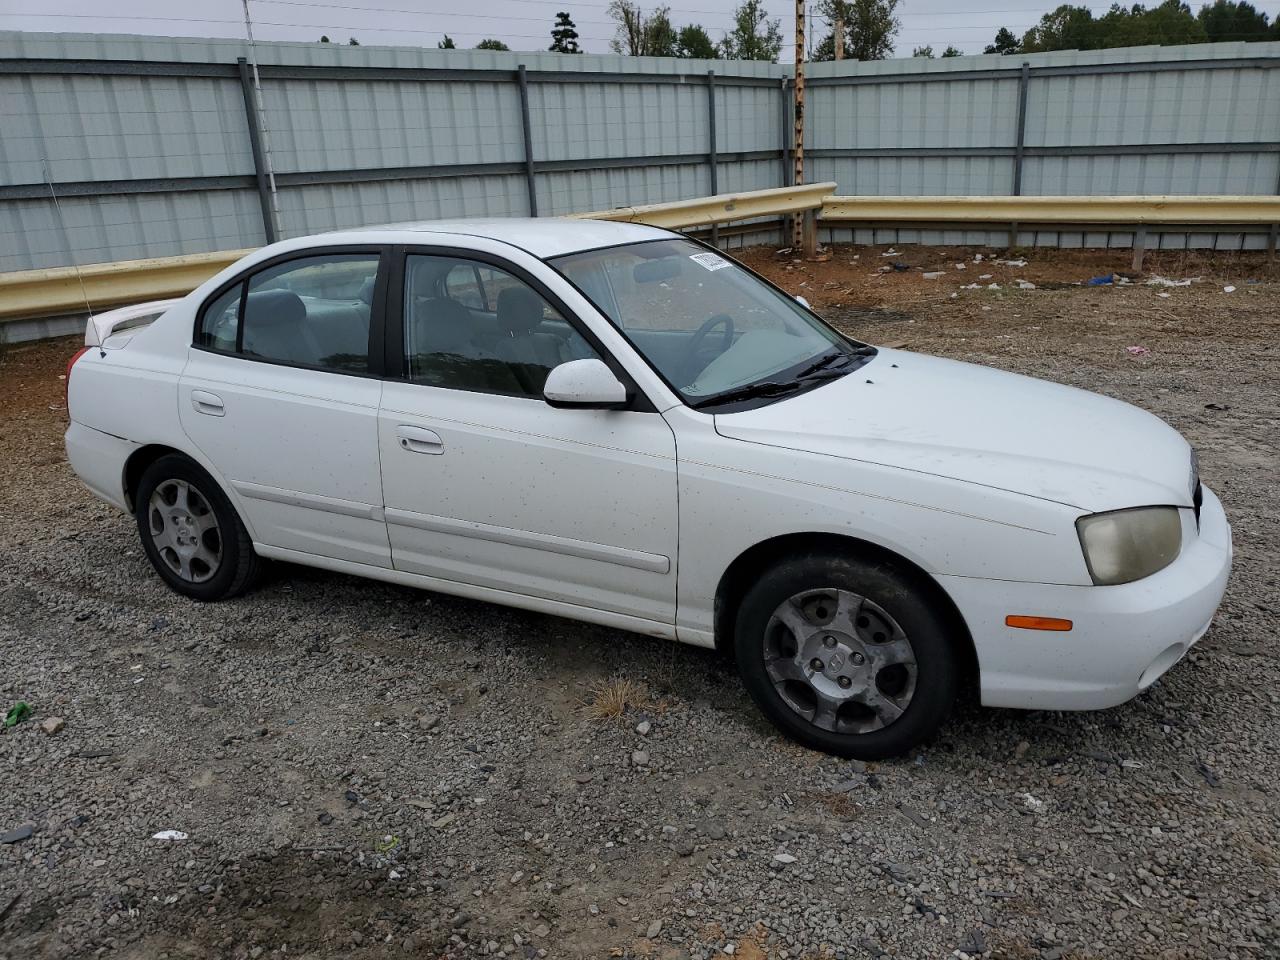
(237, 567)
(925, 689)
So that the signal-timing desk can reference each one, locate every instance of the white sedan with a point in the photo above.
(616, 424)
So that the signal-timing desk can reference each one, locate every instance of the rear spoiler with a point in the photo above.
(103, 325)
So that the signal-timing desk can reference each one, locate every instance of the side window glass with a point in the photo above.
(509, 348)
(220, 322)
(312, 312)
(463, 283)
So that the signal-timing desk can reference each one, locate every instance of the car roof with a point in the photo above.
(541, 236)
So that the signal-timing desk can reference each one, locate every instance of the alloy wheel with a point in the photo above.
(840, 661)
(185, 530)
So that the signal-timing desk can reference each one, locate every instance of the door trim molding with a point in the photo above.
(583, 549)
(312, 501)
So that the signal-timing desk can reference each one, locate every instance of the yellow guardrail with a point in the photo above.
(723, 208)
(57, 290)
(1126, 210)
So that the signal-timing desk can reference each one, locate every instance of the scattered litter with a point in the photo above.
(1025, 285)
(1217, 406)
(1228, 289)
(972, 286)
(885, 269)
(993, 286)
(1030, 802)
(52, 725)
(17, 713)
(891, 253)
(857, 256)
(1205, 771)
(960, 266)
(1131, 764)
(1103, 281)
(1162, 295)
(1137, 351)
(902, 266)
(173, 835)
(444, 821)
(1013, 263)
(984, 276)
(933, 275)
(783, 252)
(954, 295)
(783, 858)
(1166, 282)
(977, 258)
(18, 834)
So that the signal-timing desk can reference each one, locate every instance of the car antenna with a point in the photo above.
(66, 239)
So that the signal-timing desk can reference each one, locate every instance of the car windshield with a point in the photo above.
(716, 332)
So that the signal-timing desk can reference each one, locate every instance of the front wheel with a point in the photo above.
(191, 533)
(847, 656)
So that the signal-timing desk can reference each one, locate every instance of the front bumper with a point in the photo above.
(1122, 640)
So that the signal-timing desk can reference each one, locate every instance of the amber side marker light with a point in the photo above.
(1037, 623)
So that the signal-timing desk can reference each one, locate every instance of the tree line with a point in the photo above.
(1076, 28)
(868, 28)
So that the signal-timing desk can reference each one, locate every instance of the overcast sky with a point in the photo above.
(521, 24)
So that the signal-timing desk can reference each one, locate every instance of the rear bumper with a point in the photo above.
(98, 459)
(1122, 639)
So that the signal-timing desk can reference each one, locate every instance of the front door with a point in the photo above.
(278, 395)
(486, 484)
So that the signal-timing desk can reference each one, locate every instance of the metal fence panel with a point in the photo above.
(147, 138)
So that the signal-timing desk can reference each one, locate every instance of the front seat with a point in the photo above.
(275, 328)
(520, 340)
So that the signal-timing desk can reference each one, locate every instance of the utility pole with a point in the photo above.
(839, 37)
(257, 95)
(798, 225)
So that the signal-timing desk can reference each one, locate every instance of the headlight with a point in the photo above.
(1127, 545)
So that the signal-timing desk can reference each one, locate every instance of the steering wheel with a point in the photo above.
(695, 343)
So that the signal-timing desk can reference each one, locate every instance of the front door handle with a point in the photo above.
(419, 440)
(208, 403)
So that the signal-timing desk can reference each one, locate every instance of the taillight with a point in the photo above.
(66, 391)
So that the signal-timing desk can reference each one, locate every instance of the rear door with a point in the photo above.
(281, 394)
(484, 482)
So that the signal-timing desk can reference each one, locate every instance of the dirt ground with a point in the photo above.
(365, 770)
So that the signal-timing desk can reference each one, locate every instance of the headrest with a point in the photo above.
(274, 308)
(444, 324)
(365, 293)
(425, 271)
(519, 309)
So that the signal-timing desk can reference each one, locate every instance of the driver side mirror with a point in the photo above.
(585, 384)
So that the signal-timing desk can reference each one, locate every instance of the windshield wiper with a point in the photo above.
(823, 362)
(752, 391)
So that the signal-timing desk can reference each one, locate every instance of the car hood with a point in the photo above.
(982, 426)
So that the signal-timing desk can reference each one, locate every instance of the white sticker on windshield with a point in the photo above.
(709, 260)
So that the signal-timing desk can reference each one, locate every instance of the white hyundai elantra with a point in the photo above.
(616, 424)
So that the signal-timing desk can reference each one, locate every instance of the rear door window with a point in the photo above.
(310, 311)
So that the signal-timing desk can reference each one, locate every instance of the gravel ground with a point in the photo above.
(364, 770)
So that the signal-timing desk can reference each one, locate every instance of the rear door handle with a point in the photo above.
(208, 403)
(419, 440)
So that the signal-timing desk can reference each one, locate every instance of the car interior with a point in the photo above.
(474, 327)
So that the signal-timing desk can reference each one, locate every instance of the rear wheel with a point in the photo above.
(847, 656)
(191, 533)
